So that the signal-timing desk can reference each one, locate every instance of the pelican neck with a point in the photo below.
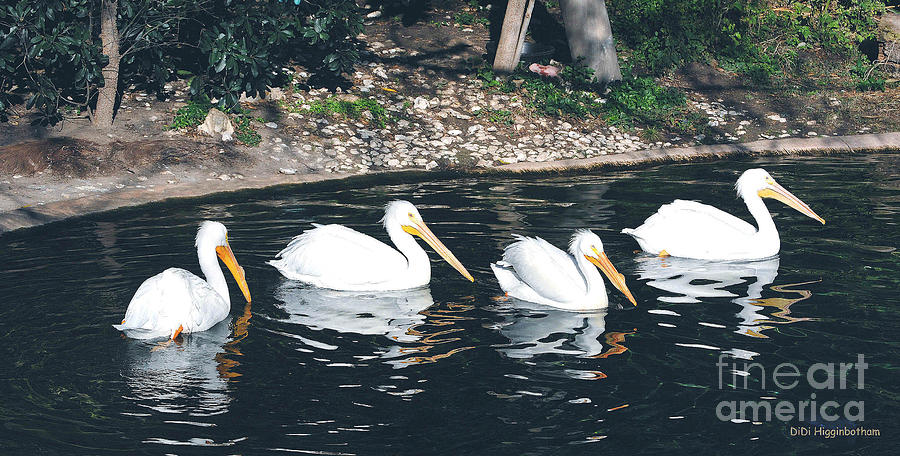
(590, 274)
(416, 258)
(209, 264)
(760, 213)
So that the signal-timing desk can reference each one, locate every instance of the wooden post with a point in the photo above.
(590, 36)
(507, 57)
(525, 22)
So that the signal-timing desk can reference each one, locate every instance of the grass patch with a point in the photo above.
(468, 18)
(350, 109)
(191, 115)
(500, 116)
(634, 100)
(244, 131)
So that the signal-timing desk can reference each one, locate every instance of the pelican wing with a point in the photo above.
(337, 254)
(691, 229)
(545, 269)
(170, 299)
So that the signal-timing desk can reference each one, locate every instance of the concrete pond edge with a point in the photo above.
(32, 216)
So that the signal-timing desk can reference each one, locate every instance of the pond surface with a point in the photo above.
(456, 369)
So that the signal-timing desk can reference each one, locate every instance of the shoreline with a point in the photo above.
(32, 216)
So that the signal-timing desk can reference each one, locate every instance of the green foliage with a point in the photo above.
(45, 47)
(761, 70)
(865, 77)
(500, 116)
(194, 113)
(351, 109)
(191, 114)
(50, 49)
(574, 95)
(468, 18)
(246, 44)
(642, 99)
(244, 131)
(490, 80)
(761, 38)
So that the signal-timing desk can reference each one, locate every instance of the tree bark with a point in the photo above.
(524, 30)
(109, 39)
(507, 57)
(590, 36)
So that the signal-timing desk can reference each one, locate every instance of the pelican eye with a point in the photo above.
(411, 216)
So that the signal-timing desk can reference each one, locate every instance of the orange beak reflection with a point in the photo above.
(418, 228)
(618, 280)
(227, 257)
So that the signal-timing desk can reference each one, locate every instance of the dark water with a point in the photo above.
(455, 369)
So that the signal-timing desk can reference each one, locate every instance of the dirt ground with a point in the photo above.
(40, 164)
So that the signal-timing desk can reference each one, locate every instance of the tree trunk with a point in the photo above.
(590, 37)
(507, 57)
(109, 38)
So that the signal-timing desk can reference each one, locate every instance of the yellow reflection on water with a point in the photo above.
(782, 316)
(432, 335)
(232, 347)
(615, 340)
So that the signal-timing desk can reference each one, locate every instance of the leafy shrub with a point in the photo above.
(50, 49)
(763, 35)
(245, 44)
(45, 46)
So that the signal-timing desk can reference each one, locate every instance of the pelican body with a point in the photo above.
(534, 270)
(694, 230)
(340, 258)
(176, 301)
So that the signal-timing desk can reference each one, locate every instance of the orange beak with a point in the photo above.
(618, 280)
(781, 194)
(420, 229)
(227, 257)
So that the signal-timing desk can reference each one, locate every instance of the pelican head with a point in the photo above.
(588, 244)
(758, 181)
(406, 216)
(214, 236)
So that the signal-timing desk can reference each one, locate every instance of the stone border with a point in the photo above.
(789, 146)
(38, 215)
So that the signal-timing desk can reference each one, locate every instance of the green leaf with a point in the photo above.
(221, 65)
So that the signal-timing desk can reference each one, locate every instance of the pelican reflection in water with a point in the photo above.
(691, 280)
(404, 317)
(533, 329)
(386, 313)
(190, 377)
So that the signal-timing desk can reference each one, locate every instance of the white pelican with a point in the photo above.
(534, 270)
(340, 258)
(176, 301)
(694, 230)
